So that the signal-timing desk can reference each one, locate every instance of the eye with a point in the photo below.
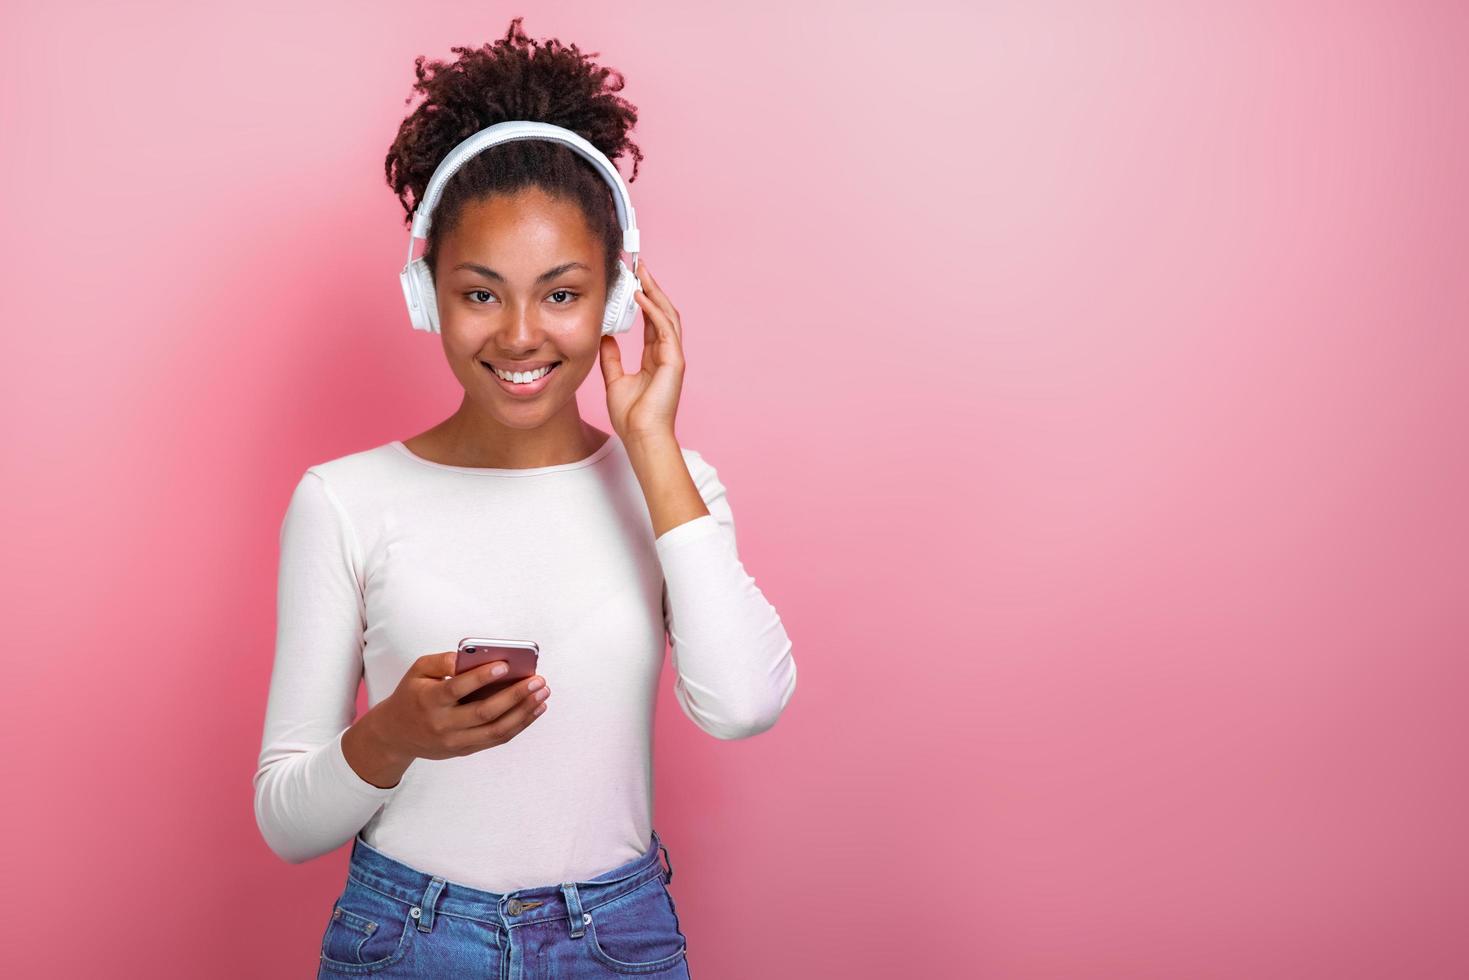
(475, 292)
(568, 292)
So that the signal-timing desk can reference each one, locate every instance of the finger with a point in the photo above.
(472, 680)
(650, 337)
(437, 665)
(498, 732)
(660, 297)
(504, 727)
(651, 290)
(651, 303)
(667, 347)
(655, 314)
(477, 713)
(611, 359)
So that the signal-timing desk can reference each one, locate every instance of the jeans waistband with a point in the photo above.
(432, 894)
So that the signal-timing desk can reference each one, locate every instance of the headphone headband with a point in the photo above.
(520, 129)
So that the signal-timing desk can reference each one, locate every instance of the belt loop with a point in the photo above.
(667, 860)
(424, 912)
(573, 909)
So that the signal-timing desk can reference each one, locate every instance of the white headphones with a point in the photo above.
(418, 284)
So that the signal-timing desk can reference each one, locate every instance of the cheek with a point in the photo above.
(581, 343)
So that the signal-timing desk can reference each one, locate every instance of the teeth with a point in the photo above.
(521, 377)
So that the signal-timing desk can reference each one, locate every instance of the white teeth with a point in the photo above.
(522, 377)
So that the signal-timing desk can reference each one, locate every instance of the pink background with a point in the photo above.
(1089, 381)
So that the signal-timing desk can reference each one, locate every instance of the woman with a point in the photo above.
(511, 836)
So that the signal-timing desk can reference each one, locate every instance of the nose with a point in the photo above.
(520, 328)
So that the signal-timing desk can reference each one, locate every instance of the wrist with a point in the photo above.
(371, 754)
(659, 440)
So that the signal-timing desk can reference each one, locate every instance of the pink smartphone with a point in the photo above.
(521, 655)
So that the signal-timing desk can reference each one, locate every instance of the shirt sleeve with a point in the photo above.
(308, 800)
(734, 673)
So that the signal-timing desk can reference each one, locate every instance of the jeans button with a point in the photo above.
(513, 906)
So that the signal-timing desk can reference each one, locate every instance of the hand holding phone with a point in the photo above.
(433, 714)
(521, 656)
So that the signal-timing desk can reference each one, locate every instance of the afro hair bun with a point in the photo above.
(514, 77)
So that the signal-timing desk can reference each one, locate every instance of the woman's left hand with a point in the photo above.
(642, 405)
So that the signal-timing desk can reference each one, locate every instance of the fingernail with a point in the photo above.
(499, 670)
(535, 685)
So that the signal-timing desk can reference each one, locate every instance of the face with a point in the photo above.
(521, 283)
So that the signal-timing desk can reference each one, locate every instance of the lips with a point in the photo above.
(520, 369)
(521, 391)
(513, 368)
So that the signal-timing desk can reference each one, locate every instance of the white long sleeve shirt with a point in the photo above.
(386, 556)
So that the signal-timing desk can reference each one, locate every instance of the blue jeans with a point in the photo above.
(393, 920)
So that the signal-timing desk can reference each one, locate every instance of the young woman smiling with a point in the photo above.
(511, 836)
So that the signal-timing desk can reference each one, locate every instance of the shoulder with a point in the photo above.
(356, 467)
(354, 482)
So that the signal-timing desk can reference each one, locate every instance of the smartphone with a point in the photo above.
(521, 656)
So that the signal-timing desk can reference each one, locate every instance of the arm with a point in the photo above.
(734, 673)
(308, 799)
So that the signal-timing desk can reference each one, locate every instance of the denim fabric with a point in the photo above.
(393, 920)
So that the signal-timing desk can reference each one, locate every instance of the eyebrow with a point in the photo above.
(549, 274)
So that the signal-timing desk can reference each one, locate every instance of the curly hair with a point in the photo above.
(514, 77)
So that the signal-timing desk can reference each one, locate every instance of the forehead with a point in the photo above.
(528, 222)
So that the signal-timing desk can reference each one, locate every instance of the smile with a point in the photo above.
(528, 383)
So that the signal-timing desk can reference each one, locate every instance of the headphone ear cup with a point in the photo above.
(418, 293)
(621, 308)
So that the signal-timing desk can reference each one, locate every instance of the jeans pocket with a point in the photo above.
(368, 931)
(636, 933)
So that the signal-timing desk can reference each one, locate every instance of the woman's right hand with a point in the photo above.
(422, 718)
